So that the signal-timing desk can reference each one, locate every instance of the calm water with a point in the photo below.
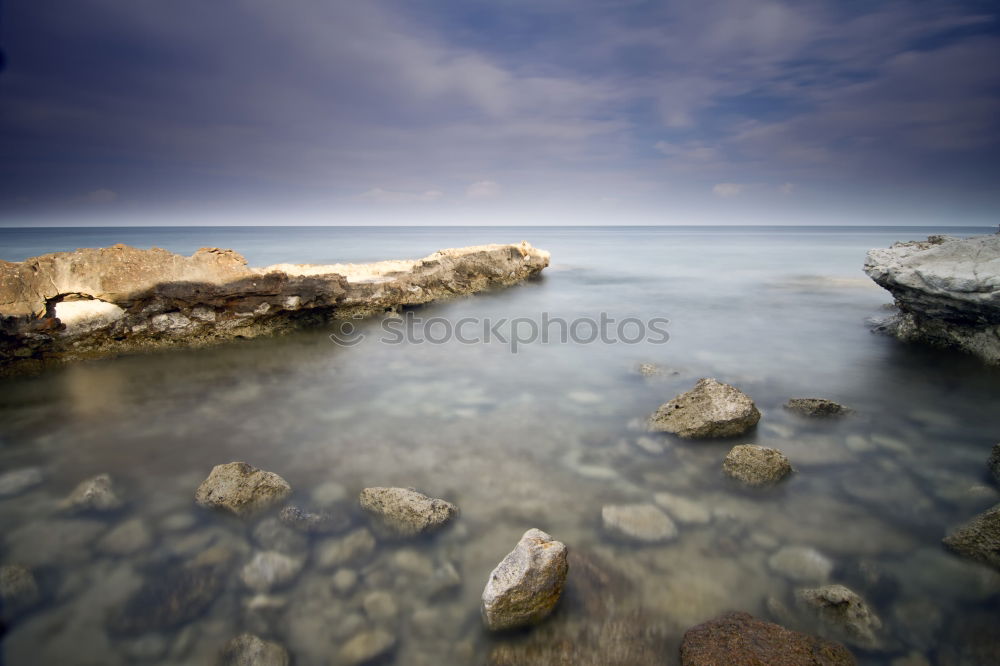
(541, 438)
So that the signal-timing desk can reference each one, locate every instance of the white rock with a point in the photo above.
(525, 587)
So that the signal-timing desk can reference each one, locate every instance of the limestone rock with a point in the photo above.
(819, 407)
(525, 587)
(843, 611)
(947, 291)
(756, 465)
(250, 650)
(18, 591)
(404, 512)
(17, 481)
(367, 646)
(270, 569)
(740, 638)
(979, 538)
(801, 564)
(241, 489)
(638, 522)
(94, 494)
(710, 409)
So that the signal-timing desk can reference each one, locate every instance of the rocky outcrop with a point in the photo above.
(525, 587)
(241, 489)
(95, 302)
(250, 650)
(756, 465)
(710, 409)
(740, 638)
(818, 407)
(947, 291)
(404, 512)
(978, 539)
(844, 613)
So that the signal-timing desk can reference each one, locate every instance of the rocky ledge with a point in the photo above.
(96, 302)
(947, 291)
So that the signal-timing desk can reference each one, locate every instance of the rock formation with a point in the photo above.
(947, 291)
(525, 587)
(710, 409)
(95, 302)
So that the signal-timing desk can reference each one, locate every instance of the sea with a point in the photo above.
(525, 407)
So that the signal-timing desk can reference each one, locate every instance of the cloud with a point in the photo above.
(379, 195)
(483, 189)
(101, 196)
(727, 190)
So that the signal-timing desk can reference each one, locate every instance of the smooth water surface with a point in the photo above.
(539, 438)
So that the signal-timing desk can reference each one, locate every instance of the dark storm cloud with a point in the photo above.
(452, 108)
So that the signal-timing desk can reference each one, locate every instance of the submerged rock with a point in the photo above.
(17, 481)
(525, 587)
(322, 522)
(682, 509)
(168, 599)
(710, 409)
(272, 534)
(994, 462)
(241, 489)
(404, 512)
(18, 591)
(801, 564)
(843, 611)
(947, 291)
(269, 569)
(756, 465)
(638, 522)
(94, 494)
(978, 539)
(740, 638)
(128, 538)
(250, 650)
(816, 407)
(367, 646)
(351, 547)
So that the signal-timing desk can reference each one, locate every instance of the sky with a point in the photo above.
(499, 112)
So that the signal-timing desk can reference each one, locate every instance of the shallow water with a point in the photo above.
(541, 438)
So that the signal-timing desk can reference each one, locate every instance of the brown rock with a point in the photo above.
(756, 465)
(710, 409)
(740, 638)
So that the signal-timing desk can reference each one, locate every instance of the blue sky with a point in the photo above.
(510, 111)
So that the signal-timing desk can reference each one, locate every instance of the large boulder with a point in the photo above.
(756, 465)
(843, 612)
(250, 650)
(710, 409)
(241, 489)
(740, 638)
(979, 538)
(404, 512)
(94, 494)
(947, 291)
(638, 522)
(818, 407)
(525, 587)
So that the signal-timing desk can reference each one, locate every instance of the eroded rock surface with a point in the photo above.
(95, 302)
(947, 291)
(525, 587)
(710, 409)
(241, 488)
(740, 638)
(756, 465)
(405, 512)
